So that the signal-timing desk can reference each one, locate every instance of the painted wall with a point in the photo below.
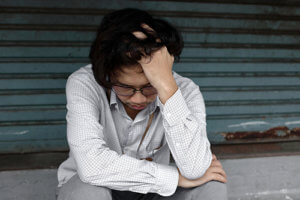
(244, 55)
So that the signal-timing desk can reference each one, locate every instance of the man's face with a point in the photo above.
(133, 77)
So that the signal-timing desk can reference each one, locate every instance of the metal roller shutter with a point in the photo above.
(244, 55)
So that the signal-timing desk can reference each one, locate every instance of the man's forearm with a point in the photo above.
(167, 89)
(186, 135)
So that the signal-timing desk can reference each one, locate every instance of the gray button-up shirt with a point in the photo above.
(103, 139)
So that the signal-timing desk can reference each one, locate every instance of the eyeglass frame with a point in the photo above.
(134, 90)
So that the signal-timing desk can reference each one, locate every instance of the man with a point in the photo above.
(127, 112)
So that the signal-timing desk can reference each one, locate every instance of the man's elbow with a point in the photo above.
(88, 174)
(193, 174)
(84, 176)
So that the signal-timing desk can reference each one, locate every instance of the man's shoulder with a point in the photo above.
(84, 72)
(83, 79)
(185, 83)
(180, 78)
(84, 75)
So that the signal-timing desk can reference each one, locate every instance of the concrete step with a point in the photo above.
(266, 178)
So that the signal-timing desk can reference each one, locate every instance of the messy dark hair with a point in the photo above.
(115, 46)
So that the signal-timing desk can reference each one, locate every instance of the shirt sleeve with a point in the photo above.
(185, 127)
(96, 163)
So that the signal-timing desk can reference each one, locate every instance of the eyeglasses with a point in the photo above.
(129, 91)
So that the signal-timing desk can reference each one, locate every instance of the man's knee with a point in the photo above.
(212, 190)
(75, 189)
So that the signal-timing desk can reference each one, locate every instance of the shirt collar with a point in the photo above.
(113, 98)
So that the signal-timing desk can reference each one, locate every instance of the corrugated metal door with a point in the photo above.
(244, 55)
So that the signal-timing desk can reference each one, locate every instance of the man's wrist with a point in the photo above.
(179, 178)
(166, 90)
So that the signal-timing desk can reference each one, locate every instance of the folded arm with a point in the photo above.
(96, 163)
(185, 126)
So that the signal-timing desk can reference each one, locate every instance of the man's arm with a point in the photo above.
(184, 116)
(214, 172)
(96, 163)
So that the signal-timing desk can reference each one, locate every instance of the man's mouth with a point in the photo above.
(138, 107)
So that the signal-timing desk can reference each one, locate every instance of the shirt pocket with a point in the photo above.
(154, 147)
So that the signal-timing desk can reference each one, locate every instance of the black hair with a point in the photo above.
(115, 46)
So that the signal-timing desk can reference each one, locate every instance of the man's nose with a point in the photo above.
(138, 97)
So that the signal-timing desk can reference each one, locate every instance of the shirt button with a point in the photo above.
(177, 144)
(168, 114)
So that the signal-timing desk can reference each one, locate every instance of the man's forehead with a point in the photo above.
(133, 69)
(131, 76)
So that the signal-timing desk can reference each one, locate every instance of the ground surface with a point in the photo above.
(268, 178)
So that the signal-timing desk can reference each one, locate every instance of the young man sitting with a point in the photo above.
(128, 112)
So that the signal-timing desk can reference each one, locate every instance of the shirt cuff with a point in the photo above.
(167, 180)
(175, 108)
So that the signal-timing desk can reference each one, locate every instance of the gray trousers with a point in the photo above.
(75, 189)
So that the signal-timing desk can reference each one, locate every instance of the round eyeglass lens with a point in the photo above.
(147, 91)
(125, 91)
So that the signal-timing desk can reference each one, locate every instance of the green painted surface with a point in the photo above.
(32, 99)
(244, 57)
(23, 113)
(18, 146)
(33, 132)
(87, 36)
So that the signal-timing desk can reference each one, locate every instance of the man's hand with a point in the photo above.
(214, 172)
(158, 70)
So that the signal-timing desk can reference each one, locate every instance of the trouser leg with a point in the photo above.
(212, 190)
(127, 195)
(75, 189)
